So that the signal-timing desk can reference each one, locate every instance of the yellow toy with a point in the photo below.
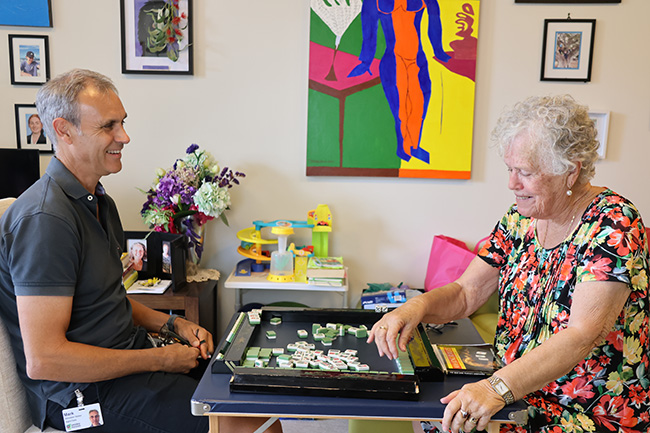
(321, 218)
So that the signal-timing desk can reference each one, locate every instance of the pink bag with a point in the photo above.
(448, 260)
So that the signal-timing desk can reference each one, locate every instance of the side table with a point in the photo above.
(197, 300)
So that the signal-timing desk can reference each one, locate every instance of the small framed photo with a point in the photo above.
(601, 121)
(156, 36)
(29, 13)
(172, 258)
(29, 129)
(138, 247)
(567, 49)
(29, 59)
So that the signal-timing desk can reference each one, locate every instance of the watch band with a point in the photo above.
(171, 320)
(496, 382)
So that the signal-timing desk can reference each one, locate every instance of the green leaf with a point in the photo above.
(224, 219)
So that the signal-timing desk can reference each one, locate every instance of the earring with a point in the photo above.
(569, 192)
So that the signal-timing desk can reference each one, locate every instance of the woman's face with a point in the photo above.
(538, 194)
(35, 124)
(137, 251)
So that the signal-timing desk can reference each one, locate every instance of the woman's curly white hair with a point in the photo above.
(559, 130)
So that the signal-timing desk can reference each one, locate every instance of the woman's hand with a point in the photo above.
(399, 322)
(197, 336)
(471, 406)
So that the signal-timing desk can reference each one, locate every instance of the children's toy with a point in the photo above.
(281, 262)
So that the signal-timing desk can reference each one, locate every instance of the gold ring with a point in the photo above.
(383, 327)
(472, 420)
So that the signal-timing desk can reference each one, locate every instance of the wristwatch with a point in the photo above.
(171, 320)
(502, 389)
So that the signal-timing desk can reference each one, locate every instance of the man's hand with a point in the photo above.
(197, 336)
(178, 358)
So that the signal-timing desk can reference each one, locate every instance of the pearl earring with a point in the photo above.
(569, 192)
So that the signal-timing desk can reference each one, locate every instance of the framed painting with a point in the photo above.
(375, 112)
(29, 59)
(28, 13)
(156, 36)
(29, 129)
(567, 1)
(567, 49)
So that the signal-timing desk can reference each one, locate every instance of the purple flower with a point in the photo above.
(192, 148)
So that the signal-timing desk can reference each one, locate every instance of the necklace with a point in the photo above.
(565, 234)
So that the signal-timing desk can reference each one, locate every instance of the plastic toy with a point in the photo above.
(282, 261)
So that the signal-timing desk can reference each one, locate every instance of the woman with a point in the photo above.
(138, 256)
(570, 263)
(37, 136)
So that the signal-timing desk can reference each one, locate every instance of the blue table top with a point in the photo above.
(213, 396)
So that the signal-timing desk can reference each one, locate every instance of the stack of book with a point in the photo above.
(129, 275)
(326, 271)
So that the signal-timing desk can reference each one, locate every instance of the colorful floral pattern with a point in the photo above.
(609, 389)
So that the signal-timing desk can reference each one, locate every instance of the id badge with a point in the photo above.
(82, 417)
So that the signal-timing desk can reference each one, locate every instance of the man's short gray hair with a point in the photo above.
(59, 97)
(560, 132)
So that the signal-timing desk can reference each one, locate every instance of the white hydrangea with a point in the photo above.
(212, 200)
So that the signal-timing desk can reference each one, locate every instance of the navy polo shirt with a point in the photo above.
(57, 239)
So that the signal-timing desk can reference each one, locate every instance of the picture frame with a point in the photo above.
(567, 49)
(157, 265)
(133, 242)
(601, 121)
(28, 13)
(29, 127)
(29, 59)
(146, 26)
(567, 1)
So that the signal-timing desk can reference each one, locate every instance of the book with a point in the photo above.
(332, 282)
(474, 359)
(141, 287)
(397, 296)
(325, 267)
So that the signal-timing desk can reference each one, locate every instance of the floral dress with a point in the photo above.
(609, 389)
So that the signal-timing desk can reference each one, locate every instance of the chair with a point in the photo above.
(14, 412)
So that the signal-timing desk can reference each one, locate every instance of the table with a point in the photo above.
(258, 281)
(213, 397)
(197, 300)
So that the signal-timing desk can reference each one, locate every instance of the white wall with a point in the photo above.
(247, 102)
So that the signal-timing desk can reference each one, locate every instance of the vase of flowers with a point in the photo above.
(185, 197)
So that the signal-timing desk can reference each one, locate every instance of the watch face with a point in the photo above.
(501, 387)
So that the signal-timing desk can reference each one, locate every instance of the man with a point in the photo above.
(29, 66)
(61, 299)
(94, 418)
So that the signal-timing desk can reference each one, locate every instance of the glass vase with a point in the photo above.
(194, 234)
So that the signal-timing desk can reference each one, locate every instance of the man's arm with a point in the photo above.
(44, 321)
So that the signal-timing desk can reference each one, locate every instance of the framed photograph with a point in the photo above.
(601, 120)
(29, 13)
(567, 1)
(29, 58)
(567, 50)
(156, 36)
(172, 259)
(29, 129)
(139, 246)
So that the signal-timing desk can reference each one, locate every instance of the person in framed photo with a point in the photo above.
(29, 66)
(72, 327)
(166, 257)
(36, 136)
(138, 255)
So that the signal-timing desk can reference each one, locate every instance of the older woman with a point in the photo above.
(570, 263)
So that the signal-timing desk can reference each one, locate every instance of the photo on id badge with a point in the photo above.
(79, 418)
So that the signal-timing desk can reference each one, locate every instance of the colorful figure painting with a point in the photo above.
(391, 88)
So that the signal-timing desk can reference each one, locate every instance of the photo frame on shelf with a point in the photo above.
(601, 121)
(567, 1)
(164, 255)
(29, 59)
(156, 37)
(567, 49)
(28, 13)
(29, 129)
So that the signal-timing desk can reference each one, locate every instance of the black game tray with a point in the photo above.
(383, 381)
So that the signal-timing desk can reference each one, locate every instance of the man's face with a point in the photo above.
(30, 60)
(97, 148)
(94, 418)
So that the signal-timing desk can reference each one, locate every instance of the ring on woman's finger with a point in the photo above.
(383, 327)
(464, 414)
(472, 420)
